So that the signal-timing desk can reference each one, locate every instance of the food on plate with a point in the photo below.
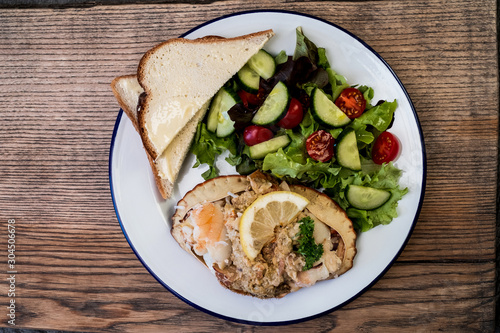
(180, 76)
(296, 118)
(256, 134)
(386, 148)
(263, 238)
(172, 92)
(351, 102)
(127, 91)
(319, 146)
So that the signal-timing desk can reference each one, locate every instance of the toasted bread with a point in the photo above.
(180, 76)
(166, 168)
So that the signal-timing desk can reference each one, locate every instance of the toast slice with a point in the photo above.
(166, 168)
(180, 76)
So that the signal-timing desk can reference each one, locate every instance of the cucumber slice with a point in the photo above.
(367, 198)
(275, 105)
(260, 150)
(347, 150)
(218, 120)
(263, 64)
(325, 111)
(225, 126)
(248, 80)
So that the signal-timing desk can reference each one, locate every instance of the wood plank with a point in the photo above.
(77, 271)
(417, 297)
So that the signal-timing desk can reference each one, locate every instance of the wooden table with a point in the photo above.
(76, 271)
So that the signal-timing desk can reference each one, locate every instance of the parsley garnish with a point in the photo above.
(307, 246)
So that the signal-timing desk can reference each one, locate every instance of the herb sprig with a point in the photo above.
(307, 246)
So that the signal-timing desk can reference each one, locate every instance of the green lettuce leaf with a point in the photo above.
(304, 47)
(312, 172)
(364, 220)
(379, 116)
(281, 58)
(372, 122)
(368, 94)
(207, 146)
(384, 177)
(322, 58)
(337, 82)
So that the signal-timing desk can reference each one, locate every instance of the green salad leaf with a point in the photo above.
(314, 173)
(368, 94)
(207, 146)
(322, 58)
(281, 58)
(372, 122)
(379, 116)
(304, 47)
(383, 177)
(337, 82)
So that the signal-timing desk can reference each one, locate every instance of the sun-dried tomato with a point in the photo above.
(319, 146)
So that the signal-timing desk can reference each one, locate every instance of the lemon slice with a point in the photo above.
(263, 215)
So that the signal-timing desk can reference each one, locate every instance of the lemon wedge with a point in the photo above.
(259, 220)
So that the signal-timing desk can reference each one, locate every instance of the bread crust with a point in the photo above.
(164, 186)
(141, 74)
(202, 40)
(114, 87)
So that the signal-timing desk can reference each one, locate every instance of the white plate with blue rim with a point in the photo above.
(145, 217)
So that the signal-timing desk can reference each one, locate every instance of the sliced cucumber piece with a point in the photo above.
(325, 111)
(225, 125)
(260, 150)
(218, 121)
(275, 105)
(263, 64)
(347, 152)
(367, 198)
(248, 80)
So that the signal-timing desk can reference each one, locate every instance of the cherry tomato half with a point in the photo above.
(386, 148)
(293, 116)
(351, 102)
(248, 98)
(254, 134)
(319, 146)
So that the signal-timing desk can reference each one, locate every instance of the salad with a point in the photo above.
(296, 118)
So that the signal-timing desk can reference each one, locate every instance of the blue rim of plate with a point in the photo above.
(295, 321)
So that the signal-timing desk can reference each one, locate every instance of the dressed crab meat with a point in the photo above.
(206, 232)
(208, 228)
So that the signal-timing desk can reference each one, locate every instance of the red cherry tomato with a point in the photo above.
(385, 148)
(351, 102)
(254, 134)
(248, 98)
(319, 146)
(293, 116)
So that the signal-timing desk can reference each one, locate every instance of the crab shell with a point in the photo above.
(320, 205)
(209, 191)
(329, 212)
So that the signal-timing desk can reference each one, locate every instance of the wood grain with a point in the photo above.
(76, 270)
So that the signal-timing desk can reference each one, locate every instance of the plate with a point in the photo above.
(145, 218)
